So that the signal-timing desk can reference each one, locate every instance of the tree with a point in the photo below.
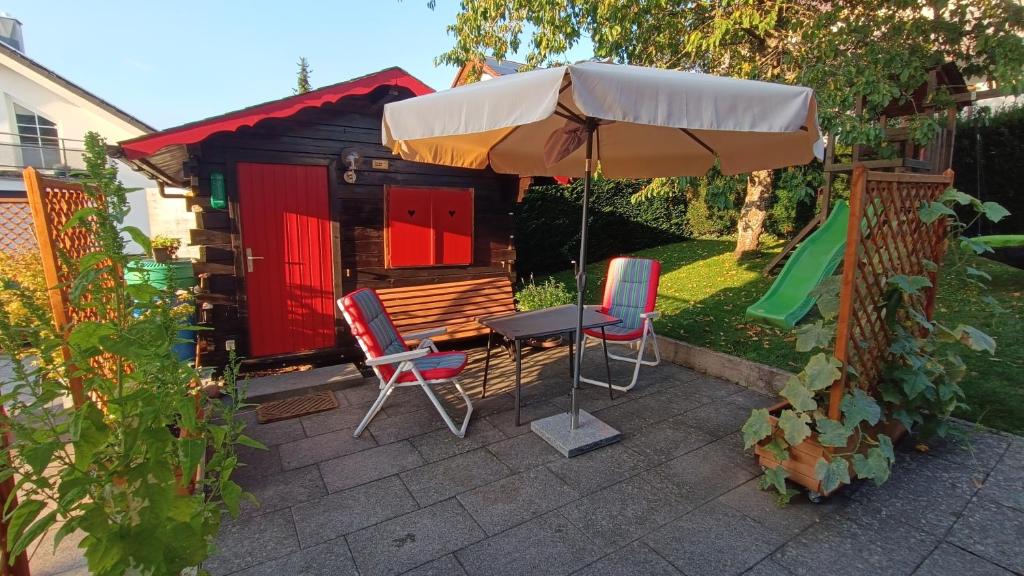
(302, 77)
(876, 49)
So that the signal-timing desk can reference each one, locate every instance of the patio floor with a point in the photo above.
(677, 496)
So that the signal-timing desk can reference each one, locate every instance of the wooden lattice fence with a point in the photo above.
(54, 202)
(885, 238)
(16, 226)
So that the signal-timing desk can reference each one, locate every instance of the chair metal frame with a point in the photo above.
(404, 363)
(637, 361)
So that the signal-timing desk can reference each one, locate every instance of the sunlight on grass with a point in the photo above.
(704, 292)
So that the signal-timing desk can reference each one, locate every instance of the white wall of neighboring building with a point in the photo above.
(74, 116)
(170, 217)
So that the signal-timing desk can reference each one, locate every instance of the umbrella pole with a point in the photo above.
(581, 275)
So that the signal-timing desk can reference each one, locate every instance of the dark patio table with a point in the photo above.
(520, 326)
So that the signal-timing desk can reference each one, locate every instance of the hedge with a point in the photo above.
(989, 164)
(548, 223)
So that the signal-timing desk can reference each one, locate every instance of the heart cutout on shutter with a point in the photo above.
(411, 213)
(451, 213)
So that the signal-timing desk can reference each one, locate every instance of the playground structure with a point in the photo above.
(812, 251)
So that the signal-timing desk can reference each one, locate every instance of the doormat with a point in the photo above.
(295, 407)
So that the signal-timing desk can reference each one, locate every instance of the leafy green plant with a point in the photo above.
(24, 270)
(140, 463)
(167, 243)
(547, 294)
(919, 387)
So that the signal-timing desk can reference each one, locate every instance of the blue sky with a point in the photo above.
(170, 62)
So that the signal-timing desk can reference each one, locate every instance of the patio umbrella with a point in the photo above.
(635, 122)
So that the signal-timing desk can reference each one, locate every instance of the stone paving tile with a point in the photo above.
(730, 449)
(666, 440)
(350, 510)
(718, 418)
(337, 419)
(444, 566)
(258, 464)
(843, 547)
(505, 421)
(711, 387)
(409, 541)
(1006, 482)
(632, 417)
(273, 433)
(714, 540)
(371, 464)
(363, 393)
(699, 476)
(592, 398)
(948, 560)
(751, 399)
(545, 546)
(323, 447)
(595, 470)
(978, 448)
(441, 444)
(524, 452)
(636, 559)
(925, 492)
(403, 426)
(328, 559)
(516, 499)
(788, 520)
(405, 400)
(992, 531)
(625, 511)
(284, 490)
(252, 542)
(767, 567)
(446, 478)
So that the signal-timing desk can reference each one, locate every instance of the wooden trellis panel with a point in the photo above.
(885, 237)
(54, 202)
(16, 226)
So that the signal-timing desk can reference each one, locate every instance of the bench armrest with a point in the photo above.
(423, 334)
(399, 357)
(653, 315)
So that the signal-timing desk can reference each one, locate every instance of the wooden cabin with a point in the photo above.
(297, 203)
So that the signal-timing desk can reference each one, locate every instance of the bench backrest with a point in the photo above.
(455, 305)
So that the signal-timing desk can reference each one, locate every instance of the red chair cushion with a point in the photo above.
(616, 333)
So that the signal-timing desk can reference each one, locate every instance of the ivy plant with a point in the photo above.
(140, 465)
(920, 383)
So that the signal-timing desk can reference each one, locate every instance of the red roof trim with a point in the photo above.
(197, 131)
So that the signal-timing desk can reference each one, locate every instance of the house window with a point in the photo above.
(37, 136)
(428, 226)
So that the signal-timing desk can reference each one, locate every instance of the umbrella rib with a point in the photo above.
(568, 114)
(699, 141)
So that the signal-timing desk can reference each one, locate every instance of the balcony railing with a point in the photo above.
(51, 155)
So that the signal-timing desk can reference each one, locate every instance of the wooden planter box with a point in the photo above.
(805, 455)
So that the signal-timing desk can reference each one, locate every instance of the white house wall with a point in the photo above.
(74, 117)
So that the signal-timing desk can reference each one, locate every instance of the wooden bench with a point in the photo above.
(455, 305)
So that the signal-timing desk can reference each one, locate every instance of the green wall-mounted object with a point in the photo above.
(218, 193)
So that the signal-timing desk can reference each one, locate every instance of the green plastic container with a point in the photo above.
(161, 275)
(164, 275)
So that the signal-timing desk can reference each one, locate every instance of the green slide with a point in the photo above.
(789, 298)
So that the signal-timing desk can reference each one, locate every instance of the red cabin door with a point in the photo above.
(287, 256)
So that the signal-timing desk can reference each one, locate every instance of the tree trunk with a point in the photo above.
(754, 212)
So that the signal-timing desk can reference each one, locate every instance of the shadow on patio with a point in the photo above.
(677, 495)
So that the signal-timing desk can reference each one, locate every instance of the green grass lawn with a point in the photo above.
(704, 292)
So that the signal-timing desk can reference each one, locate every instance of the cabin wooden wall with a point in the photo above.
(322, 137)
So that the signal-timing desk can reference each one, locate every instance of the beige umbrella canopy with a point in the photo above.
(652, 123)
(635, 122)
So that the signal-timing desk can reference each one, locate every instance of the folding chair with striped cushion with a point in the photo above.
(630, 294)
(394, 363)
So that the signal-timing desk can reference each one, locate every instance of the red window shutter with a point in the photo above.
(453, 226)
(409, 232)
